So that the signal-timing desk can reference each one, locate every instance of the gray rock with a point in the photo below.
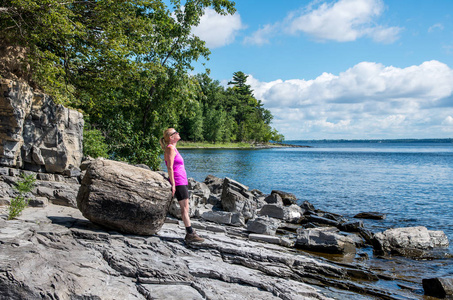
(45, 176)
(274, 199)
(124, 198)
(72, 171)
(201, 209)
(215, 228)
(287, 198)
(438, 287)
(321, 220)
(200, 189)
(237, 198)
(214, 184)
(263, 225)
(326, 240)
(273, 211)
(219, 217)
(370, 215)
(4, 171)
(215, 200)
(141, 166)
(307, 206)
(294, 213)
(194, 201)
(6, 190)
(38, 202)
(59, 193)
(86, 161)
(351, 226)
(5, 201)
(264, 238)
(291, 214)
(35, 133)
(408, 241)
(223, 217)
(56, 251)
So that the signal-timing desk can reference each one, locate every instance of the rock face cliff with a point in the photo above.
(35, 133)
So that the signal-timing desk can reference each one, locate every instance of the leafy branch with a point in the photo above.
(19, 203)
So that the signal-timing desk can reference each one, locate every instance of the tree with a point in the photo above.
(123, 63)
(252, 118)
(240, 86)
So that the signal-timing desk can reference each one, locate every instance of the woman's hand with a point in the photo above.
(173, 190)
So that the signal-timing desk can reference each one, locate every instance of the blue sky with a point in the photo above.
(341, 69)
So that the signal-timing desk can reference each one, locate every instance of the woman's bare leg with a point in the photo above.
(184, 205)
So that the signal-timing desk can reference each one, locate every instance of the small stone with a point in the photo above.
(438, 287)
(370, 215)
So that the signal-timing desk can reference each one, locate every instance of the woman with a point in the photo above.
(178, 179)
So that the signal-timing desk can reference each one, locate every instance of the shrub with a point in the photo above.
(94, 143)
(20, 202)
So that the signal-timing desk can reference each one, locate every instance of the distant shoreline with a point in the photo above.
(446, 140)
(244, 146)
(289, 143)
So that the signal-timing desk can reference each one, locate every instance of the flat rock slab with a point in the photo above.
(56, 251)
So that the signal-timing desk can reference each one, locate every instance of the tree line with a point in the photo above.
(230, 114)
(126, 66)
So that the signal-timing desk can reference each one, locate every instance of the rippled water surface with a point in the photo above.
(412, 183)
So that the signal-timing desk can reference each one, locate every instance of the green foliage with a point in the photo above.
(19, 203)
(191, 145)
(231, 115)
(94, 143)
(126, 65)
(239, 83)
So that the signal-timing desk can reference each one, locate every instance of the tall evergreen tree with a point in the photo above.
(239, 83)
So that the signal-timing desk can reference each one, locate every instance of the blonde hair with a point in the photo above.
(165, 140)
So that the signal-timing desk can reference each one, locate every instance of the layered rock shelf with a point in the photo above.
(250, 251)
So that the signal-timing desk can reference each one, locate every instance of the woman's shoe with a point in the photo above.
(193, 238)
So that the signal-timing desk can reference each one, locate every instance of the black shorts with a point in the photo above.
(182, 192)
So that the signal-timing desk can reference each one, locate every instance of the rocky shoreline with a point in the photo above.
(257, 246)
(99, 229)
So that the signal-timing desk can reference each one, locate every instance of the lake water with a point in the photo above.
(412, 183)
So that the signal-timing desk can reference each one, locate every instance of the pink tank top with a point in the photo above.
(179, 172)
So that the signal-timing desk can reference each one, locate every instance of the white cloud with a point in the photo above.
(448, 121)
(367, 100)
(262, 35)
(218, 30)
(341, 21)
(436, 26)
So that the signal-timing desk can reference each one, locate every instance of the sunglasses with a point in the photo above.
(174, 133)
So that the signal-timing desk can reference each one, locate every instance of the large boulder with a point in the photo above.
(409, 241)
(124, 198)
(35, 133)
